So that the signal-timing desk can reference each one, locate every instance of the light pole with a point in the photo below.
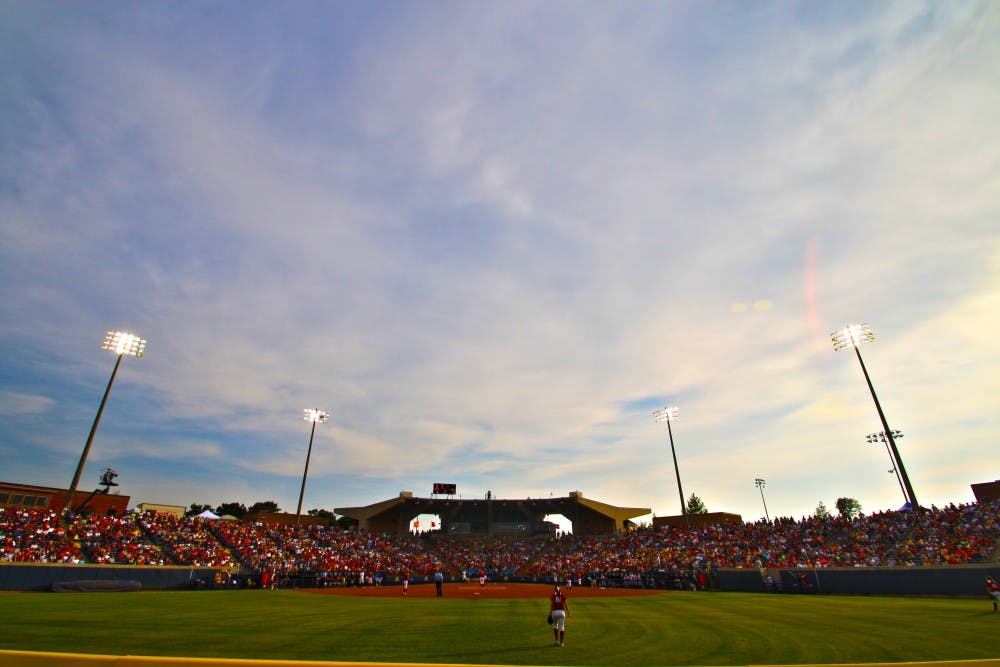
(853, 335)
(668, 414)
(759, 483)
(316, 417)
(873, 438)
(123, 344)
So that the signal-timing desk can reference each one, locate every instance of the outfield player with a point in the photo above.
(559, 608)
(993, 588)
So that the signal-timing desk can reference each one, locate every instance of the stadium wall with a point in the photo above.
(957, 580)
(41, 576)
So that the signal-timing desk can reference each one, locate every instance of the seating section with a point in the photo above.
(35, 536)
(952, 535)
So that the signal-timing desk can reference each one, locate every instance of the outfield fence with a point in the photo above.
(44, 576)
(954, 580)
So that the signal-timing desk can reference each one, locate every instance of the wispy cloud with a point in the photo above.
(487, 246)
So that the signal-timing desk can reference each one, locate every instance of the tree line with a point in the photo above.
(846, 507)
(239, 510)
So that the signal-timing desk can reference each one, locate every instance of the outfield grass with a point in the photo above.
(675, 628)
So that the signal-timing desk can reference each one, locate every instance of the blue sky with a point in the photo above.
(491, 238)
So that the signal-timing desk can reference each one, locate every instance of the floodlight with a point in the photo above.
(123, 344)
(668, 414)
(852, 336)
(875, 438)
(316, 416)
(759, 483)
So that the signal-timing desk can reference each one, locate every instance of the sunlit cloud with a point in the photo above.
(486, 249)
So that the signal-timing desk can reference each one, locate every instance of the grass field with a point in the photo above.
(676, 628)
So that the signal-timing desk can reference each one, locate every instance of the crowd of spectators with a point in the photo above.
(339, 554)
(35, 536)
(495, 555)
(947, 536)
(951, 535)
(114, 539)
(188, 541)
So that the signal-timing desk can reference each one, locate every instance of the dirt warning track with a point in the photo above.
(471, 591)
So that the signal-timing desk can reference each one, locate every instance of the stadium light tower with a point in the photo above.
(873, 438)
(668, 414)
(759, 483)
(853, 335)
(316, 417)
(123, 344)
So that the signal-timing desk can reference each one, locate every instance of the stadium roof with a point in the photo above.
(491, 516)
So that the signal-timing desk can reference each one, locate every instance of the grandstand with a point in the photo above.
(504, 538)
(494, 516)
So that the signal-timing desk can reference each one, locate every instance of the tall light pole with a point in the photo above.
(316, 417)
(873, 438)
(668, 414)
(123, 344)
(853, 335)
(759, 483)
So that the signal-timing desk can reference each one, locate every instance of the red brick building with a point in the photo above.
(28, 496)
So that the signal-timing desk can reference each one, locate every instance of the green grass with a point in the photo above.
(676, 628)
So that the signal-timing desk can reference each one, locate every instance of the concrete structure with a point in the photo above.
(986, 491)
(173, 510)
(492, 516)
(698, 520)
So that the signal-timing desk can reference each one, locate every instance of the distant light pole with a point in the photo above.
(123, 344)
(668, 414)
(873, 438)
(316, 417)
(759, 483)
(853, 335)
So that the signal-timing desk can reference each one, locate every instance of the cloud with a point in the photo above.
(16, 403)
(483, 245)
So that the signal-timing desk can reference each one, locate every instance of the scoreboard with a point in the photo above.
(444, 489)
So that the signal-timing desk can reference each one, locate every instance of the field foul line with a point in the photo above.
(40, 659)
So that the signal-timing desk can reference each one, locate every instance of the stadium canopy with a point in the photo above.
(494, 516)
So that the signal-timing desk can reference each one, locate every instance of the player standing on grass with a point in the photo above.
(993, 588)
(559, 609)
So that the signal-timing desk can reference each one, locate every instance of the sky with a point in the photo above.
(491, 238)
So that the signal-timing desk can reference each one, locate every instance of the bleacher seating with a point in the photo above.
(952, 535)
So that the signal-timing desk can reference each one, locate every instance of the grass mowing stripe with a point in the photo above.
(676, 628)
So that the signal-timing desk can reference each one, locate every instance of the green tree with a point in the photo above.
(342, 522)
(821, 511)
(695, 505)
(196, 509)
(265, 506)
(848, 507)
(232, 508)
